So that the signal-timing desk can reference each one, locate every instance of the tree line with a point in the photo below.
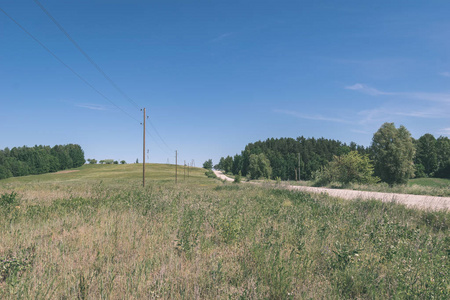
(394, 156)
(22, 161)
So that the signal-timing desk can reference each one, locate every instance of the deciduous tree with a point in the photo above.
(208, 164)
(393, 153)
(259, 166)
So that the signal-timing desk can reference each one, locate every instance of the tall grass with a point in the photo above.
(117, 240)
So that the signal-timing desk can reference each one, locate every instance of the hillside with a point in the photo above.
(96, 233)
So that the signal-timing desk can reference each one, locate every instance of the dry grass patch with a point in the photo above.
(117, 240)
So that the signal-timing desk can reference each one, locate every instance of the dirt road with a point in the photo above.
(418, 201)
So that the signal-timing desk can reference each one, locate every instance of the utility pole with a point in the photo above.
(184, 169)
(188, 169)
(176, 166)
(143, 155)
(299, 166)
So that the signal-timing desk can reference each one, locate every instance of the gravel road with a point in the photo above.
(418, 201)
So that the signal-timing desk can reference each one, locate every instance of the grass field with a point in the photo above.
(97, 234)
(430, 182)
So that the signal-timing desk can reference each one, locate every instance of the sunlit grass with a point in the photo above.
(430, 182)
(106, 237)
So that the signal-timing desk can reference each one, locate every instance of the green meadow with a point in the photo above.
(96, 233)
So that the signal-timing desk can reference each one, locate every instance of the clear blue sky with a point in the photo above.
(216, 75)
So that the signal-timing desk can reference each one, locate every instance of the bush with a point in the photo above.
(210, 174)
(348, 168)
(238, 177)
(8, 202)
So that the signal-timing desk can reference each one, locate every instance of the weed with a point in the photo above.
(210, 174)
(14, 264)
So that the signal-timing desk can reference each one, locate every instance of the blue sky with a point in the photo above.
(216, 75)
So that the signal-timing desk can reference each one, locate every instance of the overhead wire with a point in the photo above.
(165, 144)
(66, 65)
(129, 99)
(86, 55)
(156, 143)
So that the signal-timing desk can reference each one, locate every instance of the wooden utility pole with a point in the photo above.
(299, 166)
(188, 169)
(143, 155)
(176, 166)
(184, 170)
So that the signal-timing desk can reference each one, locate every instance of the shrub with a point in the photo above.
(238, 177)
(348, 168)
(210, 174)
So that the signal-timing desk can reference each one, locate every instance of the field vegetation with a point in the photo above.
(98, 234)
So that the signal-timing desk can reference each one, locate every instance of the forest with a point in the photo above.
(22, 161)
(429, 156)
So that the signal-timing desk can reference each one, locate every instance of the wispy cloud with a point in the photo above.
(430, 113)
(221, 37)
(366, 89)
(91, 106)
(311, 117)
(436, 97)
(390, 112)
(445, 74)
(445, 131)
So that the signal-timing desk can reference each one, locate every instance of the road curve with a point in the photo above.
(222, 176)
(418, 201)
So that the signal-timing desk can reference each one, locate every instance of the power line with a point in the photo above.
(84, 80)
(156, 142)
(86, 55)
(66, 65)
(170, 149)
(96, 66)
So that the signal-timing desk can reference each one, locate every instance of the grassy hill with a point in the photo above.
(109, 173)
(97, 233)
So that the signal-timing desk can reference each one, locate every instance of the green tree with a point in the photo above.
(237, 164)
(5, 172)
(76, 154)
(107, 161)
(426, 154)
(393, 153)
(208, 164)
(348, 168)
(259, 166)
(62, 154)
(122, 162)
(443, 154)
(92, 161)
(227, 164)
(17, 167)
